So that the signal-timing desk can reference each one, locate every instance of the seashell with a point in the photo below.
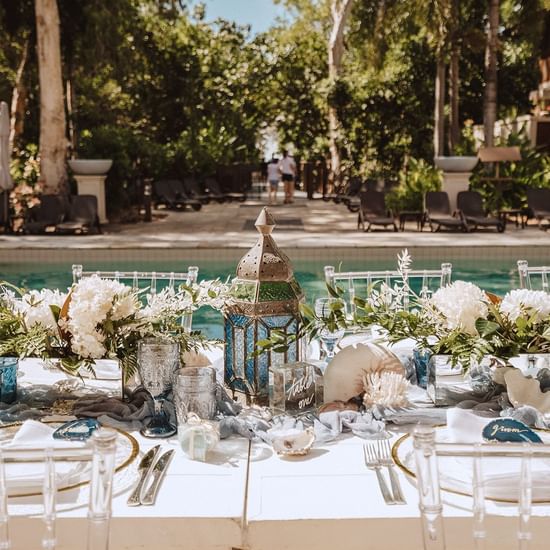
(344, 375)
(350, 405)
(509, 430)
(526, 391)
(292, 442)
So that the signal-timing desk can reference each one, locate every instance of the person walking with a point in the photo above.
(287, 166)
(273, 176)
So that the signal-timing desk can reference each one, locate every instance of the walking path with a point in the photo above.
(304, 225)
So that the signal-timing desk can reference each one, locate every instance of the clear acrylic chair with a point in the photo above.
(526, 272)
(425, 279)
(141, 279)
(101, 455)
(427, 451)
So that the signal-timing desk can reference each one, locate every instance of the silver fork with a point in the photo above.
(384, 456)
(372, 463)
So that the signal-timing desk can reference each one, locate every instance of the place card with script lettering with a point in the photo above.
(295, 388)
(509, 430)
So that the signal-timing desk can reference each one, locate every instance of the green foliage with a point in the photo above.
(533, 171)
(414, 181)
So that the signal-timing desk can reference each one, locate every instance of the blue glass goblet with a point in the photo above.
(158, 359)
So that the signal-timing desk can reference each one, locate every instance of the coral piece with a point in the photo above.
(388, 389)
(344, 374)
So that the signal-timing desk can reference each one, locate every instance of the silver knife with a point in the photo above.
(145, 468)
(159, 470)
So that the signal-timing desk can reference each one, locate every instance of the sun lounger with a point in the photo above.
(212, 187)
(373, 211)
(83, 216)
(172, 194)
(51, 211)
(194, 191)
(438, 212)
(470, 203)
(538, 201)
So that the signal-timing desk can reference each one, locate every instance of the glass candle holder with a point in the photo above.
(197, 437)
(195, 392)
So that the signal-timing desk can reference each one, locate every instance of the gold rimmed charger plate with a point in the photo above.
(408, 472)
(122, 460)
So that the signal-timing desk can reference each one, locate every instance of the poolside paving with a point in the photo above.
(305, 225)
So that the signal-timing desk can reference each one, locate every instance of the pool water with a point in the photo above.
(494, 277)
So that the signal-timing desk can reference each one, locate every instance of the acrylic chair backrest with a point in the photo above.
(147, 278)
(101, 455)
(526, 272)
(425, 279)
(427, 451)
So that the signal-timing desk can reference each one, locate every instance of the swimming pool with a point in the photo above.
(493, 276)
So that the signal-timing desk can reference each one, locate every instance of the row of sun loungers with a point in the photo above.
(469, 215)
(177, 194)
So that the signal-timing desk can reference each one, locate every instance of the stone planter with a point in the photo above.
(456, 175)
(90, 167)
(90, 175)
(456, 164)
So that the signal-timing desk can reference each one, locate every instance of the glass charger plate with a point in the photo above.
(74, 490)
(501, 475)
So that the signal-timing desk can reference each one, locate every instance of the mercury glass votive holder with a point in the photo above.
(194, 391)
(8, 379)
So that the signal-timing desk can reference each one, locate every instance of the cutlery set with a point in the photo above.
(151, 472)
(376, 458)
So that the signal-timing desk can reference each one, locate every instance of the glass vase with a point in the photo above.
(443, 377)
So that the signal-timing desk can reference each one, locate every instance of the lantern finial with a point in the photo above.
(265, 222)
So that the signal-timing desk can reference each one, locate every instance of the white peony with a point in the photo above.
(461, 304)
(35, 307)
(526, 303)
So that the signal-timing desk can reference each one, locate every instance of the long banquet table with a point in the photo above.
(247, 497)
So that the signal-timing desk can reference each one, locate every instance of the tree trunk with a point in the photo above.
(53, 140)
(490, 95)
(439, 109)
(18, 97)
(70, 95)
(454, 126)
(340, 13)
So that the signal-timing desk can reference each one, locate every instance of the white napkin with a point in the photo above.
(501, 474)
(30, 475)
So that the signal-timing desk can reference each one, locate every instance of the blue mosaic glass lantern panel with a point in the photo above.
(244, 372)
(237, 328)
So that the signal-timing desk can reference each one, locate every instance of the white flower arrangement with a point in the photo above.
(99, 318)
(529, 304)
(460, 304)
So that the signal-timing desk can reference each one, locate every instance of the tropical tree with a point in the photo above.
(53, 140)
(490, 93)
(340, 11)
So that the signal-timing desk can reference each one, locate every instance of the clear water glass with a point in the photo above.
(158, 359)
(329, 339)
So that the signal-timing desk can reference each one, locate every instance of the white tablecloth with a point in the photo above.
(247, 497)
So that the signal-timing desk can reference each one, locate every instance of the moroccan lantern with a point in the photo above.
(267, 300)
